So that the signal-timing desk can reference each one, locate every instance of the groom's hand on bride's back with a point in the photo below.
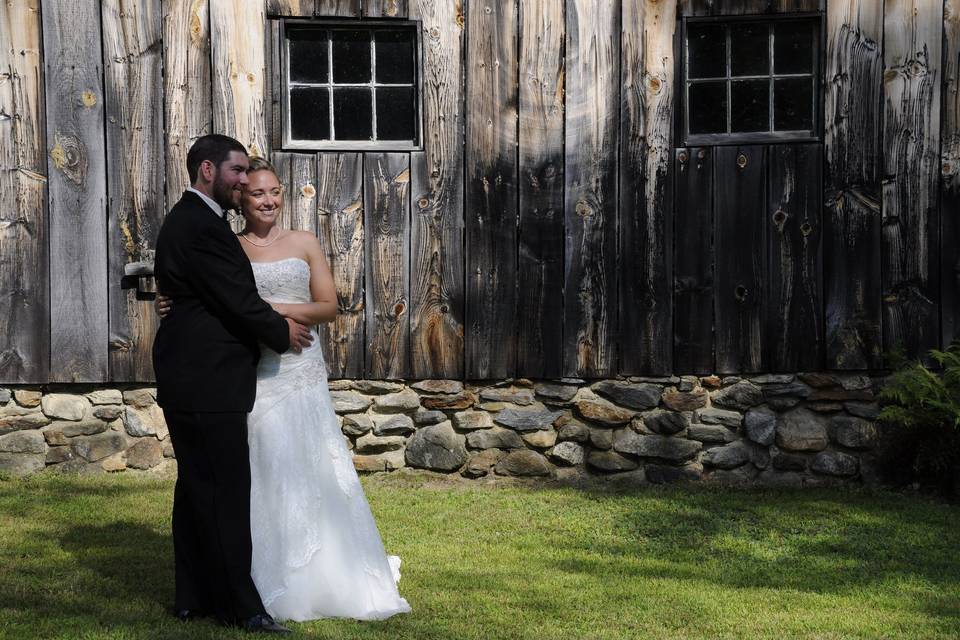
(300, 337)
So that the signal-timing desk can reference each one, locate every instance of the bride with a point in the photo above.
(316, 549)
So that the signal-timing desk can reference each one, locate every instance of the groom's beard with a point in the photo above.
(224, 195)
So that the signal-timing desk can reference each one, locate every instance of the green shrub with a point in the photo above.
(922, 412)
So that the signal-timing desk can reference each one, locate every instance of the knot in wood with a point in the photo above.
(741, 161)
(88, 98)
(682, 157)
(308, 191)
(740, 293)
(654, 84)
(701, 154)
(806, 228)
(779, 217)
(423, 203)
(487, 10)
(583, 209)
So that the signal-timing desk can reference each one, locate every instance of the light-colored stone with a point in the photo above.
(146, 453)
(603, 413)
(428, 416)
(168, 451)
(105, 396)
(541, 439)
(349, 401)
(56, 455)
(97, 447)
(523, 463)
(376, 387)
(21, 464)
(387, 461)
(472, 420)
(392, 424)
(23, 442)
(340, 385)
(527, 419)
(760, 425)
(28, 397)
(64, 406)
(115, 462)
(458, 401)
(14, 418)
(673, 449)
(370, 443)
(356, 424)
(57, 433)
(834, 463)
(402, 401)
(495, 438)
(567, 453)
(481, 463)
(144, 422)
(5, 395)
(437, 447)
(802, 430)
(513, 395)
(687, 383)
(108, 413)
(447, 387)
(140, 398)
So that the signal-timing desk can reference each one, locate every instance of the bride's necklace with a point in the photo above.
(263, 244)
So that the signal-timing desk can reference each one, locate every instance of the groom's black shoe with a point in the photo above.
(262, 623)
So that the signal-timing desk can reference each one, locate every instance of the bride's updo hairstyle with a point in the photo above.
(261, 164)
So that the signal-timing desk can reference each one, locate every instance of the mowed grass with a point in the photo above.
(90, 558)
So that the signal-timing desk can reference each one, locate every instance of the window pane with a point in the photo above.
(793, 47)
(749, 50)
(351, 56)
(396, 114)
(749, 105)
(352, 114)
(793, 104)
(707, 51)
(394, 56)
(708, 107)
(309, 113)
(308, 55)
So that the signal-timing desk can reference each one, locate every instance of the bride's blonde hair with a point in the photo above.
(261, 164)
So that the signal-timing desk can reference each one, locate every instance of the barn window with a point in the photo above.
(351, 86)
(750, 80)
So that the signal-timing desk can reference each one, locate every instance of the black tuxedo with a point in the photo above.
(205, 357)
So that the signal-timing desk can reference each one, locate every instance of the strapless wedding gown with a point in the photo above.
(316, 549)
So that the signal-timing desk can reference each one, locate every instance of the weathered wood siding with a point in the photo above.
(549, 224)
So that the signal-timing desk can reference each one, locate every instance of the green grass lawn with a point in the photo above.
(91, 558)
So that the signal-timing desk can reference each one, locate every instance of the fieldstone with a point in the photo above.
(840, 395)
(56, 455)
(773, 378)
(787, 390)
(523, 463)
(801, 430)
(730, 419)
(834, 463)
(145, 454)
(480, 463)
(14, 418)
(349, 401)
(21, 464)
(666, 474)
(493, 407)
(406, 400)
(783, 404)
(140, 398)
(462, 400)
(168, 451)
(740, 396)
(730, 380)
(541, 439)
(64, 406)
(376, 387)
(105, 396)
(824, 407)
(437, 447)
(868, 410)
(685, 400)
(5, 396)
(601, 438)
(521, 397)
(427, 416)
(57, 433)
(655, 379)
(392, 424)
(783, 461)
(603, 413)
(610, 461)
(108, 413)
(556, 392)
(527, 419)
(665, 422)
(339, 385)
(495, 438)
(673, 449)
(728, 456)
(144, 422)
(710, 433)
(472, 420)
(853, 433)
(28, 397)
(449, 387)
(819, 380)
(115, 462)
(387, 461)
(710, 382)
(370, 443)
(855, 382)
(627, 394)
(94, 448)
(23, 442)
(760, 425)
(567, 453)
(356, 424)
(687, 383)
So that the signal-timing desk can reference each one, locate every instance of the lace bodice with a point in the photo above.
(283, 281)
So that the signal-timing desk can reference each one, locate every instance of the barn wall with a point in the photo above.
(550, 226)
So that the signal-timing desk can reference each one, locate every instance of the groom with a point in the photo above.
(205, 357)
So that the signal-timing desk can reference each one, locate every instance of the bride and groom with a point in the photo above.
(269, 517)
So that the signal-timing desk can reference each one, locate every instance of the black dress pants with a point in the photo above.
(211, 515)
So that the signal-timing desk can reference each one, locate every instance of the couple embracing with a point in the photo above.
(269, 517)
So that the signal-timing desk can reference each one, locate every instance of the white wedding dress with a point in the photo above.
(316, 549)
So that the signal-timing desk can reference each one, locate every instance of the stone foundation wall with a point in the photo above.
(770, 429)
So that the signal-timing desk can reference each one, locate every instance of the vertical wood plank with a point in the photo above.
(436, 260)
(593, 89)
(238, 49)
(24, 292)
(744, 7)
(386, 220)
(76, 168)
(693, 269)
(950, 177)
(291, 8)
(911, 144)
(135, 175)
(491, 190)
(851, 235)
(187, 103)
(335, 8)
(794, 335)
(540, 256)
(646, 187)
(340, 226)
(739, 234)
(385, 8)
(298, 177)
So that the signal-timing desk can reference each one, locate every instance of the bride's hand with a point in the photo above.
(162, 305)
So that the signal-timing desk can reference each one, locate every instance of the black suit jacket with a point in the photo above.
(206, 351)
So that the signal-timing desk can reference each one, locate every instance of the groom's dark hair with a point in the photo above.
(213, 147)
